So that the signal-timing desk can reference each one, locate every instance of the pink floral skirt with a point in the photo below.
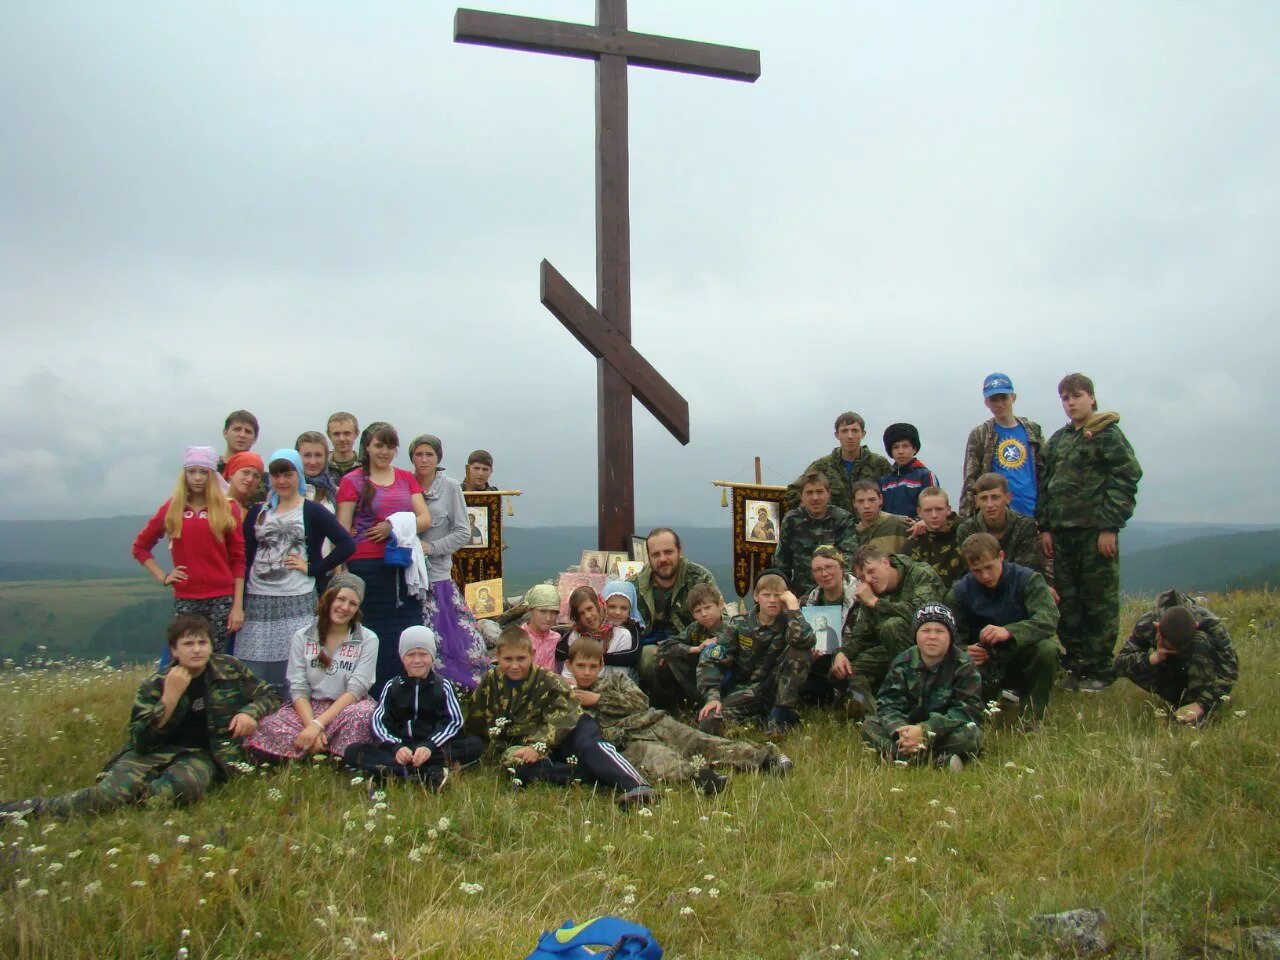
(275, 734)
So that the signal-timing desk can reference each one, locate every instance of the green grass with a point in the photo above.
(1175, 833)
(82, 618)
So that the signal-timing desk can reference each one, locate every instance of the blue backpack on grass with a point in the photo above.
(625, 940)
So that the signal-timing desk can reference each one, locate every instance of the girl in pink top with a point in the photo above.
(543, 601)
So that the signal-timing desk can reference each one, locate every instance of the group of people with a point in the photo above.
(329, 571)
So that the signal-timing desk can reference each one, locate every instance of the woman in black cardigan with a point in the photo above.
(284, 541)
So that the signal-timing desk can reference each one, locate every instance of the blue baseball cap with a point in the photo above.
(996, 383)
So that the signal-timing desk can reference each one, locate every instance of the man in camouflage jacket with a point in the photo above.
(162, 760)
(815, 522)
(891, 589)
(844, 466)
(937, 705)
(1088, 489)
(1181, 652)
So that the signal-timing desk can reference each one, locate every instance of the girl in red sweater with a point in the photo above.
(206, 543)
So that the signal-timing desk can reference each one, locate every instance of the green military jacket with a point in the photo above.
(941, 698)
(918, 584)
(541, 709)
(750, 650)
(803, 534)
(941, 550)
(680, 646)
(1039, 622)
(1208, 669)
(688, 575)
(231, 689)
(980, 457)
(1020, 538)
(888, 531)
(868, 466)
(1090, 477)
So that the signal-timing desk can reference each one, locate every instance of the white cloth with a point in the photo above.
(404, 530)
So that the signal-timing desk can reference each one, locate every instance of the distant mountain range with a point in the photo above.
(1201, 556)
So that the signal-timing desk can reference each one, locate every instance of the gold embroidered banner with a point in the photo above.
(757, 521)
(481, 558)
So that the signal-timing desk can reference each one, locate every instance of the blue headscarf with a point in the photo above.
(615, 587)
(287, 453)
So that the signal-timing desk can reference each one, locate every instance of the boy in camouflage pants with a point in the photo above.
(658, 744)
(760, 665)
(1087, 493)
(1182, 653)
(930, 704)
(182, 731)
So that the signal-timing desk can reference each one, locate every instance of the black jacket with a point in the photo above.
(417, 713)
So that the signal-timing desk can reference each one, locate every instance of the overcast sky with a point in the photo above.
(301, 207)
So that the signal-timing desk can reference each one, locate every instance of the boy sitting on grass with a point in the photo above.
(680, 652)
(533, 717)
(653, 741)
(930, 705)
(183, 730)
(416, 724)
(759, 666)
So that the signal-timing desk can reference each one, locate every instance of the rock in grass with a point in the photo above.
(1264, 941)
(1084, 931)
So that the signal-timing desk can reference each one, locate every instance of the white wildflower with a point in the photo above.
(686, 911)
(92, 888)
(444, 823)
(183, 839)
(138, 883)
(379, 937)
(471, 889)
(713, 893)
(644, 812)
(153, 859)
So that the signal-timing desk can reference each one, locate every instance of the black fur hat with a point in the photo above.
(900, 431)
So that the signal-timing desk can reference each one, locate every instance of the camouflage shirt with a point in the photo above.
(1208, 670)
(1090, 477)
(1020, 602)
(889, 623)
(1020, 538)
(750, 650)
(540, 709)
(622, 709)
(681, 645)
(230, 688)
(688, 575)
(887, 531)
(942, 698)
(802, 534)
(941, 550)
(868, 466)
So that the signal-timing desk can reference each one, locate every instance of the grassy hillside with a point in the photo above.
(1175, 833)
(1204, 564)
(123, 619)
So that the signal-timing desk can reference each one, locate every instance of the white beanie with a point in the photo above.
(418, 638)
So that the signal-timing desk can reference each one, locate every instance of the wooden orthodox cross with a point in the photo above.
(605, 329)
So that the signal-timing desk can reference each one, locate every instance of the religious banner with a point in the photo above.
(481, 557)
(757, 521)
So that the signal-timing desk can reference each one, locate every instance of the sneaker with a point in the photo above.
(26, 807)
(709, 781)
(955, 764)
(437, 777)
(637, 797)
(780, 765)
(1090, 685)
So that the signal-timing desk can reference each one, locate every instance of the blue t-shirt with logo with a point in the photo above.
(1013, 459)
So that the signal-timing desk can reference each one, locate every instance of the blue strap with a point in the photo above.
(626, 941)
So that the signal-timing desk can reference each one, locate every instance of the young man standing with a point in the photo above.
(875, 527)
(1007, 617)
(343, 430)
(1005, 444)
(891, 589)
(1088, 488)
(240, 431)
(479, 469)
(808, 527)
(848, 463)
(902, 483)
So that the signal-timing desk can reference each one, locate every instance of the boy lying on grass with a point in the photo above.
(531, 715)
(182, 733)
(656, 743)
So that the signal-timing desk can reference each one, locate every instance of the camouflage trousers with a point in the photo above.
(1027, 671)
(669, 681)
(871, 663)
(781, 688)
(964, 742)
(1170, 685)
(177, 775)
(1089, 600)
(664, 750)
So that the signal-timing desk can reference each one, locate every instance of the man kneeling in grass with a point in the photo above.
(930, 705)
(182, 732)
